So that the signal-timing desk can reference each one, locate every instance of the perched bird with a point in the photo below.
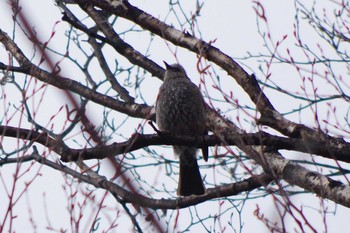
(180, 110)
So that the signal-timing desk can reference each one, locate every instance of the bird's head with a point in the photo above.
(174, 71)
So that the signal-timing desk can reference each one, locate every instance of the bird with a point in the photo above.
(180, 110)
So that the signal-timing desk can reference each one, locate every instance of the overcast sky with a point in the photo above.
(233, 26)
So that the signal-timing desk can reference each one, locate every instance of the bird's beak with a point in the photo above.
(166, 65)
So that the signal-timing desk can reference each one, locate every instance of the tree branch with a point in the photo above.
(131, 109)
(138, 141)
(140, 200)
(269, 115)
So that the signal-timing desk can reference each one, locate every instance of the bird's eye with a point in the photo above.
(175, 69)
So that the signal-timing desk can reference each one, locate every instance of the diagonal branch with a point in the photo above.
(269, 116)
(27, 67)
(140, 200)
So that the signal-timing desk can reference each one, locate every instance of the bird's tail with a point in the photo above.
(190, 179)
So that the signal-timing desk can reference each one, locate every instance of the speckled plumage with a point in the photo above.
(180, 110)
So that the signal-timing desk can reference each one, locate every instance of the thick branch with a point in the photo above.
(138, 141)
(269, 115)
(26, 67)
(126, 10)
(140, 200)
(33, 136)
(312, 181)
(280, 168)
